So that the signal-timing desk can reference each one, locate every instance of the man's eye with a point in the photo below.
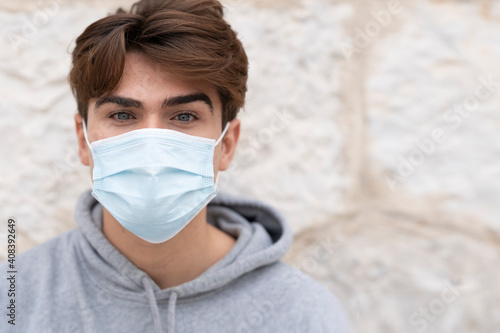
(122, 116)
(184, 117)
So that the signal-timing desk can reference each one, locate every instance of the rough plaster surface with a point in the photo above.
(331, 136)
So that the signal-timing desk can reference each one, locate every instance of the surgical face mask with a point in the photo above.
(153, 181)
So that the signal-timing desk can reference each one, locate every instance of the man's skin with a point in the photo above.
(199, 245)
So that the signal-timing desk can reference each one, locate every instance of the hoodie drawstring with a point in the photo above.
(171, 312)
(154, 307)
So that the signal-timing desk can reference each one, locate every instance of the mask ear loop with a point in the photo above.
(85, 133)
(88, 144)
(216, 143)
(222, 134)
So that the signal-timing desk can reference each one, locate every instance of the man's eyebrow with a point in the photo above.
(169, 102)
(185, 99)
(119, 100)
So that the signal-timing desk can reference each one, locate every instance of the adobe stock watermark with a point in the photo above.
(421, 318)
(71, 161)
(249, 149)
(61, 169)
(31, 24)
(453, 119)
(321, 252)
(382, 18)
(264, 309)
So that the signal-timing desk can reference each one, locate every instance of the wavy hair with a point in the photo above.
(186, 37)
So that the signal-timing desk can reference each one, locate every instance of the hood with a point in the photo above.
(262, 237)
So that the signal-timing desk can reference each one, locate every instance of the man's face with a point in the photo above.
(149, 98)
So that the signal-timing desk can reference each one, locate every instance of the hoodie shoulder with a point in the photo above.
(295, 301)
(283, 298)
(45, 253)
(315, 308)
(43, 263)
(40, 280)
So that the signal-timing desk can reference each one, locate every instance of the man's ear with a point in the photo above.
(229, 143)
(83, 149)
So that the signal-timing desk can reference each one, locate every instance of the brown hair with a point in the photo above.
(186, 37)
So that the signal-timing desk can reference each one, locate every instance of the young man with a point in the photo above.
(158, 89)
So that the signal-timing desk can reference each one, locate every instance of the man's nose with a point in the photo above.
(153, 121)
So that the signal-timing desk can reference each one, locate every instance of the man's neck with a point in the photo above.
(180, 259)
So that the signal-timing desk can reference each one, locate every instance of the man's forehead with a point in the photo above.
(144, 79)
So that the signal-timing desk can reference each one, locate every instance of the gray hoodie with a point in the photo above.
(78, 282)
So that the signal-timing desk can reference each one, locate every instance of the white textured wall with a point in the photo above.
(341, 101)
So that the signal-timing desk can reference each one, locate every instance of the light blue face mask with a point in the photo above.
(153, 181)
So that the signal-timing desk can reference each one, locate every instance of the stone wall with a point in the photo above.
(374, 126)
